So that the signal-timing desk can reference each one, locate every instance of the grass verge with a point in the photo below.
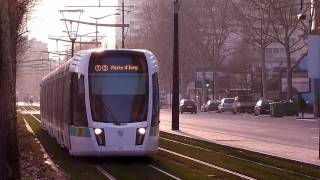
(74, 168)
(249, 163)
(31, 158)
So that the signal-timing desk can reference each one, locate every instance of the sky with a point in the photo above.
(45, 21)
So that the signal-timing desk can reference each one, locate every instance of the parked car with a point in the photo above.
(211, 105)
(244, 104)
(262, 107)
(226, 104)
(188, 105)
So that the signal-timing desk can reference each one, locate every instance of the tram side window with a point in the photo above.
(41, 100)
(79, 105)
(60, 99)
(50, 101)
(55, 100)
(46, 101)
(66, 99)
(155, 105)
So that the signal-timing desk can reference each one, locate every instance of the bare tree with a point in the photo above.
(213, 30)
(202, 40)
(156, 35)
(255, 27)
(12, 16)
(288, 31)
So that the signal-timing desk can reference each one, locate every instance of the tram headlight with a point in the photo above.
(97, 131)
(100, 137)
(142, 131)
(140, 134)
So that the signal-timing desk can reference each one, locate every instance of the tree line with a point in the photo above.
(212, 31)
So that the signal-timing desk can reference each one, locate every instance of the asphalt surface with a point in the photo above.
(287, 131)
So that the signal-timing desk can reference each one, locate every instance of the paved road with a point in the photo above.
(251, 132)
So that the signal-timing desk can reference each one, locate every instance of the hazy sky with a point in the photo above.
(45, 20)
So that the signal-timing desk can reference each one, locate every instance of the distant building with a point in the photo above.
(32, 65)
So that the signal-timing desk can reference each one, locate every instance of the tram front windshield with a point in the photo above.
(118, 87)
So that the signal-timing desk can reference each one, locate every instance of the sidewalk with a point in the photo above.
(274, 149)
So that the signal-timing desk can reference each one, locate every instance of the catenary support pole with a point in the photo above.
(97, 33)
(72, 47)
(122, 4)
(175, 73)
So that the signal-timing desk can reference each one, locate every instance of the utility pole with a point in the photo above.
(122, 37)
(73, 40)
(97, 32)
(175, 73)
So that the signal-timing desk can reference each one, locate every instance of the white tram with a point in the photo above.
(103, 102)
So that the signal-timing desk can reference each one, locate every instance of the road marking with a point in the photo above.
(207, 164)
(164, 172)
(104, 172)
(186, 144)
(308, 120)
(314, 128)
(315, 137)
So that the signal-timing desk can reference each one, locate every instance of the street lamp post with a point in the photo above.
(207, 87)
(73, 40)
(175, 73)
(97, 18)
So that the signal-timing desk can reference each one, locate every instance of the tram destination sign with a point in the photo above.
(106, 68)
(111, 62)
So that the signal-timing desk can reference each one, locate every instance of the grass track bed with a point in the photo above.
(187, 169)
(231, 158)
(132, 168)
(126, 167)
(138, 168)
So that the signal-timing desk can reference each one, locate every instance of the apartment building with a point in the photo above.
(32, 65)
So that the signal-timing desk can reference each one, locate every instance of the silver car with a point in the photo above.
(226, 105)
